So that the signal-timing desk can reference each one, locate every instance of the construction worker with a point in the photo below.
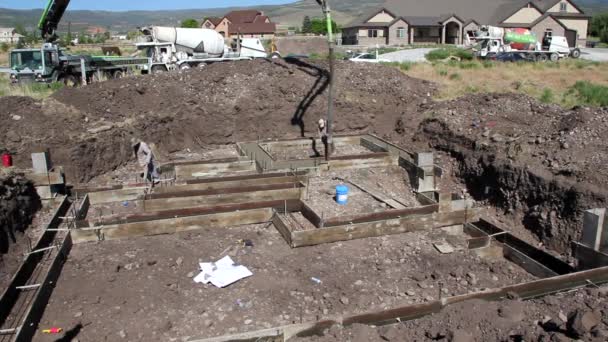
(145, 158)
(323, 134)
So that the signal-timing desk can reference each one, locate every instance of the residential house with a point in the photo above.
(402, 22)
(247, 23)
(9, 35)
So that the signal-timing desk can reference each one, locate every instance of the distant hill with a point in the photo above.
(290, 15)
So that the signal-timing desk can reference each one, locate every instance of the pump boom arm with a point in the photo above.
(50, 19)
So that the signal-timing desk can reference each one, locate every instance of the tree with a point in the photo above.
(598, 24)
(4, 47)
(319, 26)
(189, 23)
(306, 25)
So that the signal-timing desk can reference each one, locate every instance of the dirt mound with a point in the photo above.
(559, 318)
(88, 129)
(19, 202)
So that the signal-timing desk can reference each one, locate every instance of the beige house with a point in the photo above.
(9, 35)
(402, 22)
(247, 23)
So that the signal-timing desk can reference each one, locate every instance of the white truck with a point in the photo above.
(174, 48)
(494, 41)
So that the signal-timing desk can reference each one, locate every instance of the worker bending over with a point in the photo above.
(323, 135)
(146, 159)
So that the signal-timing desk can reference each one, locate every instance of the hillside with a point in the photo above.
(290, 15)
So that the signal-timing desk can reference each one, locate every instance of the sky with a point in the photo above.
(125, 5)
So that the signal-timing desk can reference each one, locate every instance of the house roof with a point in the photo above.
(252, 28)
(485, 12)
(244, 16)
(261, 19)
(215, 20)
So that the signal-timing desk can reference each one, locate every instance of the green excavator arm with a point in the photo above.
(50, 19)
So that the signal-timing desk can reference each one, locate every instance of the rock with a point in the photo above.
(459, 335)
(100, 129)
(122, 334)
(344, 300)
(485, 133)
(179, 261)
(190, 275)
(78, 314)
(151, 262)
(248, 321)
(562, 316)
(168, 325)
(472, 278)
(513, 311)
(208, 323)
(410, 293)
(581, 322)
(16, 117)
(565, 145)
(599, 333)
(497, 138)
(359, 282)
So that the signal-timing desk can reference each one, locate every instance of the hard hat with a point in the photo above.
(321, 122)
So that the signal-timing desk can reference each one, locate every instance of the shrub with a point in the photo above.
(488, 64)
(4, 47)
(443, 72)
(443, 53)
(465, 55)
(438, 54)
(405, 66)
(455, 76)
(546, 96)
(469, 65)
(590, 94)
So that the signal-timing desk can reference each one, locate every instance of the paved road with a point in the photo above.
(597, 54)
(417, 55)
(408, 55)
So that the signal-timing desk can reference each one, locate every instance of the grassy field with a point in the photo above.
(548, 82)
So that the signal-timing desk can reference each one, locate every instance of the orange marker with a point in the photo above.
(52, 331)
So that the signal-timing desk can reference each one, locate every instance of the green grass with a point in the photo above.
(587, 93)
(547, 96)
(455, 76)
(404, 66)
(35, 90)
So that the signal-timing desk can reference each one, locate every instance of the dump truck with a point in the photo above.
(50, 63)
(174, 48)
(493, 41)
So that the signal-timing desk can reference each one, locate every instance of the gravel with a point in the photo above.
(409, 55)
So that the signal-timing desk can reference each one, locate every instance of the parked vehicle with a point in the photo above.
(50, 63)
(498, 40)
(171, 48)
(367, 58)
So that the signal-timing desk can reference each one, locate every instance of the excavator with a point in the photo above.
(50, 63)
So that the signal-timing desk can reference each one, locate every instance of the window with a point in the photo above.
(563, 7)
(372, 33)
(400, 32)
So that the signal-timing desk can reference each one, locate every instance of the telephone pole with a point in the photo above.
(330, 100)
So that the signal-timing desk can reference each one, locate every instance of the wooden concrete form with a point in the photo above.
(172, 225)
(42, 179)
(293, 191)
(193, 186)
(119, 195)
(589, 258)
(187, 171)
(399, 314)
(371, 224)
(30, 309)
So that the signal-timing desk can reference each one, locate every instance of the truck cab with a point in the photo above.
(35, 65)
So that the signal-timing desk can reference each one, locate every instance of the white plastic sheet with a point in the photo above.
(222, 272)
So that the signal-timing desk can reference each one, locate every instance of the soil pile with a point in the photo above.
(566, 317)
(18, 204)
(88, 129)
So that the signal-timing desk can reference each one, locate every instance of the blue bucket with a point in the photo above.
(342, 194)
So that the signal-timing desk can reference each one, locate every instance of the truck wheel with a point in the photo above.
(118, 74)
(542, 57)
(70, 81)
(157, 69)
(576, 53)
(201, 65)
(275, 55)
(554, 57)
(184, 66)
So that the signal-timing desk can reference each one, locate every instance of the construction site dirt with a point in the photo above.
(533, 167)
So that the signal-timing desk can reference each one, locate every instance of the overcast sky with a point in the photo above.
(125, 5)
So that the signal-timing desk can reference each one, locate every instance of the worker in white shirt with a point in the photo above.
(146, 159)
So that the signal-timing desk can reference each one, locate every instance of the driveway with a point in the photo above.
(408, 55)
(596, 54)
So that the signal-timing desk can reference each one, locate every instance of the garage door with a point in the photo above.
(571, 37)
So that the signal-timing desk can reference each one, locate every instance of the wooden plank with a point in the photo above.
(171, 226)
(246, 177)
(310, 215)
(230, 184)
(381, 228)
(530, 265)
(225, 191)
(83, 209)
(214, 200)
(362, 163)
(379, 196)
(189, 171)
(282, 227)
(120, 195)
(40, 179)
(385, 215)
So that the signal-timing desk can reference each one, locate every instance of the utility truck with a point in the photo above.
(493, 41)
(50, 63)
(171, 48)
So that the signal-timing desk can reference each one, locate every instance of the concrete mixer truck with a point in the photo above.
(493, 41)
(173, 48)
